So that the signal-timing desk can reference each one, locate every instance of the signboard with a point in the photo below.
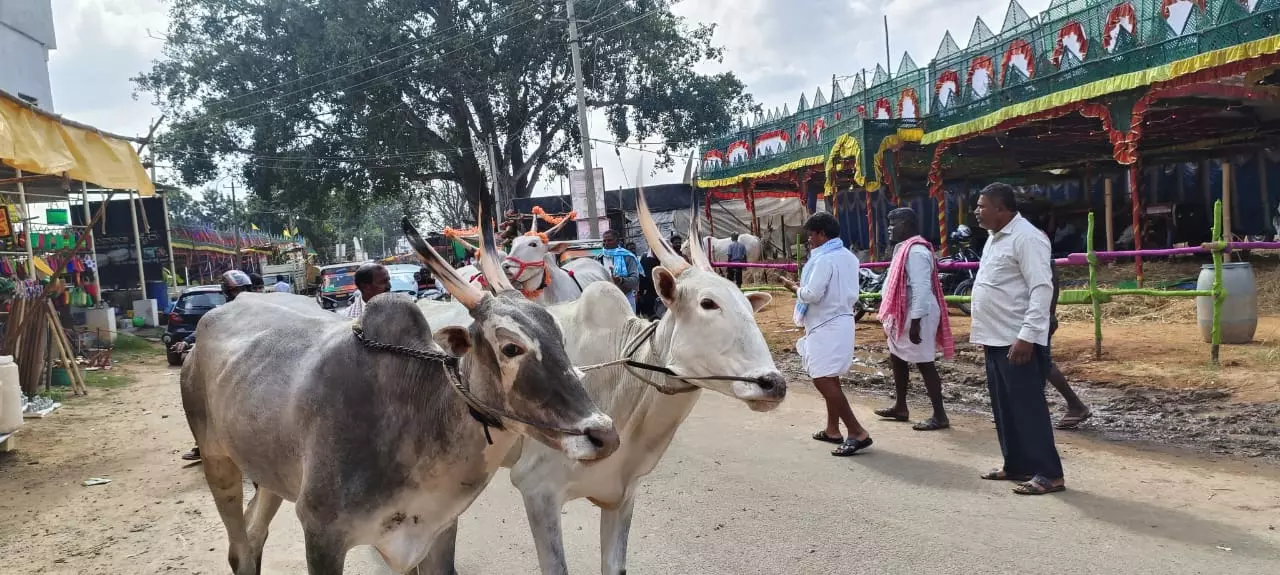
(117, 254)
(578, 194)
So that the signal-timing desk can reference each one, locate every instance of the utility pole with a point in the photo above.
(589, 171)
(235, 220)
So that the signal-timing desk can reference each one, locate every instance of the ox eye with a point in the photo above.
(709, 305)
(512, 350)
(533, 244)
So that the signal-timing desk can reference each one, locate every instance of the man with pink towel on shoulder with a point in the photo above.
(914, 317)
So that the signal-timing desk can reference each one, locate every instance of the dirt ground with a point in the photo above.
(1154, 382)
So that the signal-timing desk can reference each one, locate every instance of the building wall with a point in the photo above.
(26, 37)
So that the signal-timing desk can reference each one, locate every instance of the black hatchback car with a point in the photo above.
(186, 313)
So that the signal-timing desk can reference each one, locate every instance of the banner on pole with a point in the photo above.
(578, 195)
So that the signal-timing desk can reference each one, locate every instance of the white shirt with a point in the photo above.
(832, 288)
(283, 287)
(921, 300)
(1014, 287)
(356, 309)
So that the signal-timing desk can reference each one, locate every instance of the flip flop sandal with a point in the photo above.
(931, 424)
(1073, 421)
(999, 475)
(852, 447)
(1038, 485)
(890, 414)
(821, 435)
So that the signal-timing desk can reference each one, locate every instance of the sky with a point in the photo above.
(779, 48)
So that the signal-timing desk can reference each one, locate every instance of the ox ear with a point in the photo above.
(758, 300)
(454, 339)
(558, 247)
(664, 282)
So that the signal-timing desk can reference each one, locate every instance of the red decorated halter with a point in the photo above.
(546, 275)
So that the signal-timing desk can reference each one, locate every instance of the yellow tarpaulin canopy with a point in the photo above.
(40, 143)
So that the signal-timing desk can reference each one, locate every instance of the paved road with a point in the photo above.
(738, 493)
(747, 493)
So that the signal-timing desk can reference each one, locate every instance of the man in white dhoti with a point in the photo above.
(914, 317)
(825, 296)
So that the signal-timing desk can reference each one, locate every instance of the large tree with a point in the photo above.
(328, 102)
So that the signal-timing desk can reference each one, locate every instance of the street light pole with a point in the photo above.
(589, 171)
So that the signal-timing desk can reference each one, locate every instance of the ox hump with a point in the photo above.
(396, 319)
(602, 305)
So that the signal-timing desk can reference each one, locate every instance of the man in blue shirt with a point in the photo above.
(623, 265)
(737, 254)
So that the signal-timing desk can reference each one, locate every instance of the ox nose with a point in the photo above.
(773, 384)
(604, 438)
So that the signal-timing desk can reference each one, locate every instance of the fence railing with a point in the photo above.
(1094, 295)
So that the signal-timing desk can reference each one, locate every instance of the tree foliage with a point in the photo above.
(338, 102)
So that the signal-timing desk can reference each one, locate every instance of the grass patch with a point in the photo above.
(131, 348)
(106, 379)
(58, 395)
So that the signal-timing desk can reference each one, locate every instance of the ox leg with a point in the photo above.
(325, 551)
(440, 561)
(262, 508)
(226, 485)
(543, 510)
(615, 531)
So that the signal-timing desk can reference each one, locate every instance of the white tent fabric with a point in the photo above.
(781, 220)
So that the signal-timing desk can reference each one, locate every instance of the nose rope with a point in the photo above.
(546, 275)
(631, 364)
(487, 415)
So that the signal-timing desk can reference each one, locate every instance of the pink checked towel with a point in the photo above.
(893, 300)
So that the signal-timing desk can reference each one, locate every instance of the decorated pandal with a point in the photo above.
(1100, 104)
(206, 252)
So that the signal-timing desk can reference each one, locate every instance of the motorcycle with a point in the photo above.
(869, 282)
(960, 282)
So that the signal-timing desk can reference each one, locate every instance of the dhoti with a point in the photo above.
(827, 350)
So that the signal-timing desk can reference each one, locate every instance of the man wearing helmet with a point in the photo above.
(234, 283)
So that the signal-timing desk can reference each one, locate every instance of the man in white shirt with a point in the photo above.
(371, 280)
(825, 296)
(1012, 297)
(282, 286)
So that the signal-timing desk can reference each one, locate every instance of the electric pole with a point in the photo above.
(588, 170)
(235, 221)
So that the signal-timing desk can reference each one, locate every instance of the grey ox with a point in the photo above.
(379, 437)
(708, 340)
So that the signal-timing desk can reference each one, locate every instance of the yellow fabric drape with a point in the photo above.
(1121, 83)
(731, 181)
(40, 144)
(845, 148)
(891, 142)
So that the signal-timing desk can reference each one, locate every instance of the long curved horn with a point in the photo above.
(534, 229)
(559, 226)
(464, 292)
(696, 254)
(488, 260)
(466, 243)
(667, 256)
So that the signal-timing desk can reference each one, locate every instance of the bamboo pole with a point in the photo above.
(1095, 297)
(1110, 215)
(1228, 182)
(1219, 294)
(1135, 193)
(1263, 190)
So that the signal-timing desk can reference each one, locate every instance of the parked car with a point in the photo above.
(404, 279)
(186, 313)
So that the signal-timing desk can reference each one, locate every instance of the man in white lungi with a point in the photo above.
(825, 296)
(914, 317)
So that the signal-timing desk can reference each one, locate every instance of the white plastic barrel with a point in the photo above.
(10, 396)
(1239, 307)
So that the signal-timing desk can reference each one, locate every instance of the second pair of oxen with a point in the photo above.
(707, 340)
(380, 433)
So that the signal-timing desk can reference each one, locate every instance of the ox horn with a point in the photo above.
(534, 228)
(667, 256)
(466, 294)
(559, 226)
(696, 253)
(488, 258)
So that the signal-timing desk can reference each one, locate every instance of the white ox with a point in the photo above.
(708, 340)
(532, 265)
(719, 251)
(371, 431)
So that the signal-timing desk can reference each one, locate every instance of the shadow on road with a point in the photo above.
(920, 471)
(1146, 519)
